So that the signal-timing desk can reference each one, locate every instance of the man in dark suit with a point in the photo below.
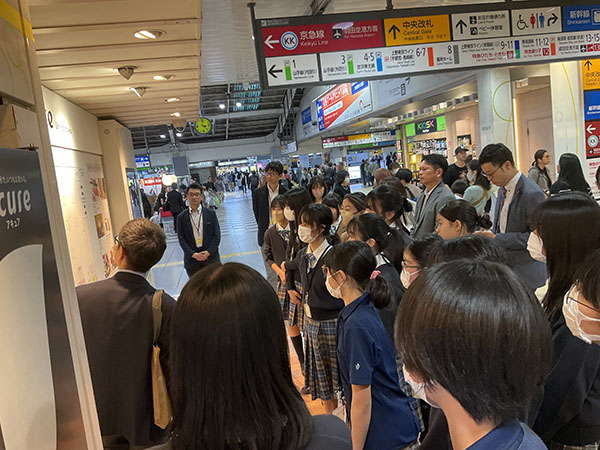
(517, 198)
(116, 315)
(176, 203)
(261, 205)
(199, 233)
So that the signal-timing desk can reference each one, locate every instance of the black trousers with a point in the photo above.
(175, 214)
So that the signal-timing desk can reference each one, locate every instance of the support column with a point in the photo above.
(496, 109)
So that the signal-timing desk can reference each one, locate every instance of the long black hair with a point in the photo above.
(480, 179)
(466, 214)
(370, 226)
(318, 215)
(357, 261)
(385, 199)
(569, 226)
(231, 383)
(296, 199)
(314, 182)
(572, 173)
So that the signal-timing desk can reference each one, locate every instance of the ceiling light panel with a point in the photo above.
(149, 34)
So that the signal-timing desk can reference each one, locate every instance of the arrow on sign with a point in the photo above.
(268, 42)
(394, 30)
(552, 20)
(273, 72)
(588, 64)
(461, 23)
(590, 129)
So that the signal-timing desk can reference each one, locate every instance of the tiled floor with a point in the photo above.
(238, 243)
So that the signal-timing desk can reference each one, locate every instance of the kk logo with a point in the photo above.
(289, 40)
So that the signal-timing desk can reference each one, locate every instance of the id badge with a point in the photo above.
(307, 311)
(199, 242)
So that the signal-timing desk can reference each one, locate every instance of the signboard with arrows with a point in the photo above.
(592, 139)
(590, 74)
(341, 48)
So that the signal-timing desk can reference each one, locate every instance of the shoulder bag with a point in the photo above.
(160, 396)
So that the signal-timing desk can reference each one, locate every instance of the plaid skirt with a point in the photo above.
(406, 388)
(293, 314)
(557, 446)
(320, 358)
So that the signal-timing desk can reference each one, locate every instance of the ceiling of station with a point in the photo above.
(206, 51)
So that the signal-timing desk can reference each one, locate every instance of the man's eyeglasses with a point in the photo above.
(488, 175)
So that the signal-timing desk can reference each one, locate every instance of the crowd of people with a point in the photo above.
(422, 318)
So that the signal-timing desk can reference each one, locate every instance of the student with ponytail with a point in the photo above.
(459, 218)
(380, 414)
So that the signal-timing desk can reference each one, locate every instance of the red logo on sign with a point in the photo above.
(592, 139)
(329, 37)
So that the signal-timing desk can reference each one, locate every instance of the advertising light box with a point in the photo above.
(343, 103)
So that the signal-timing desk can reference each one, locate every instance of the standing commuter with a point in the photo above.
(459, 218)
(253, 181)
(539, 171)
(317, 189)
(434, 197)
(406, 176)
(199, 233)
(116, 315)
(176, 204)
(380, 413)
(458, 169)
(478, 193)
(517, 199)
(570, 175)
(342, 185)
(261, 205)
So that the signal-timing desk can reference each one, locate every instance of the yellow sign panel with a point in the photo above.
(357, 137)
(590, 74)
(417, 30)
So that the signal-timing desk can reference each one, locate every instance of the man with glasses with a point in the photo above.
(517, 198)
(261, 205)
(199, 233)
(116, 315)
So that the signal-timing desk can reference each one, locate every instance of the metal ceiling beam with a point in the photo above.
(130, 45)
(113, 74)
(120, 62)
(102, 26)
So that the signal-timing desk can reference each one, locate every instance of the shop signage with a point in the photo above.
(426, 126)
(359, 139)
(387, 44)
(480, 25)
(590, 74)
(343, 103)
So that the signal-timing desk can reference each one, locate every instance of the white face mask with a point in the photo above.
(289, 214)
(535, 246)
(418, 388)
(305, 234)
(405, 277)
(471, 176)
(335, 293)
(574, 316)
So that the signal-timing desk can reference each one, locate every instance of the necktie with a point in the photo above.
(285, 234)
(312, 260)
(501, 199)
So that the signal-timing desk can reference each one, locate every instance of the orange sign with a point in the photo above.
(590, 74)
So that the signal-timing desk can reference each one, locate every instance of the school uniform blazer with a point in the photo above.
(116, 315)
(322, 305)
(426, 216)
(525, 199)
(261, 208)
(274, 248)
(211, 238)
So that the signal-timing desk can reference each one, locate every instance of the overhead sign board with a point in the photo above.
(536, 20)
(590, 74)
(426, 126)
(341, 48)
(359, 139)
(343, 103)
(592, 139)
(480, 25)
(591, 103)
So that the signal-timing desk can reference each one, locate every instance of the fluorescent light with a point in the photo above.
(163, 77)
(172, 99)
(222, 105)
(148, 34)
(139, 91)
(238, 104)
(163, 136)
(175, 114)
(179, 134)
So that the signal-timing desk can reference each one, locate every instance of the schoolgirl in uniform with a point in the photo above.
(321, 309)
(380, 414)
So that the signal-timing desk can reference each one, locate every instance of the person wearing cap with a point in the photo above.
(458, 169)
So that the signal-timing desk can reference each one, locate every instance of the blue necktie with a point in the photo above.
(285, 234)
(312, 260)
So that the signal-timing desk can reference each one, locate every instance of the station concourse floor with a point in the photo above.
(238, 244)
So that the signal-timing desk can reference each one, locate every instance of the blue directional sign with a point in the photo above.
(581, 18)
(591, 102)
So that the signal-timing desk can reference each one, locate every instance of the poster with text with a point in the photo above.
(343, 103)
(40, 407)
(84, 202)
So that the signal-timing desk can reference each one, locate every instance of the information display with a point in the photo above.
(387, 44)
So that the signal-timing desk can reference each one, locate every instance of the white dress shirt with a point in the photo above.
(317, 253)
(197, 224)
(510, 187)
(272, 195)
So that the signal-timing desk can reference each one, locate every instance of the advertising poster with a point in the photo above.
(343, 103)
(82, 189)
(40, 407)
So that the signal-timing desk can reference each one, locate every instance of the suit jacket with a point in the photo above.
(426, 216)
(525, 199)
(176, 203)
(211, 238)
(262, 209)
(116, 315)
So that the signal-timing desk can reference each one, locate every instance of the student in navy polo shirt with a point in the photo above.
(380, 414)
(477, 347)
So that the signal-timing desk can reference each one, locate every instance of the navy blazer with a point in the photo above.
(262, 209)
(525, 199)
(211, 238)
